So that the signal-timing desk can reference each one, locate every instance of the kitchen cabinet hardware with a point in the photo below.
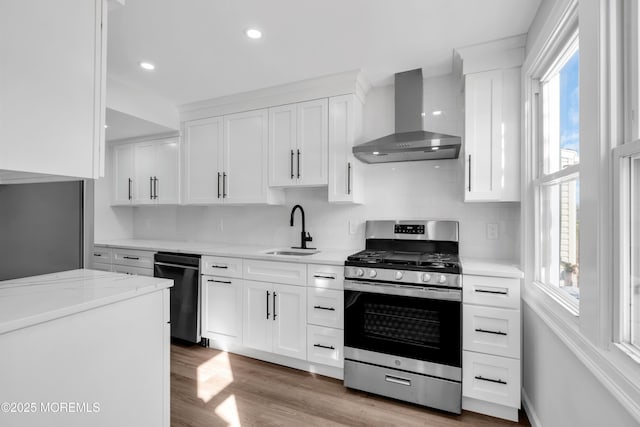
(325, 276)
(292, 176)
(398, 380)
(131, 257)
(486, 331)
(491, 380)
(486, 291)
(348, 177)
(218, 266)
(96, 254)
(469, 187)
(167, 264)
(228, 282)
(274, 305)
(224, 185)
(155, 187)
(268, 294)
(319, 307)
(328, 347)
(298, 163)
(218, 187)
(151, 187)
(129, 186)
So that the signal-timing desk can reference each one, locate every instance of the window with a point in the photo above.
(557, 183)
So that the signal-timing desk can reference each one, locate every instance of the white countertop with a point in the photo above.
(32, 300)
(325, 256)
(486, 267)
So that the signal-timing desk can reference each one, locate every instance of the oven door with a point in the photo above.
(420, 323)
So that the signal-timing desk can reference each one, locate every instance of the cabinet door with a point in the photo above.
(222, 308)
(290, 321)
(312, 153)
(257, 322)
(144, 153)
(282, 146)
(246, 157)
(202, 161)
(345, 123)
(123, 174)
(166, 171)
(483, 136)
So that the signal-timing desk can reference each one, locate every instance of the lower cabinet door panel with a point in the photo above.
(222, 308)
(491, 378)
(290, 320)
(257, 321)
(325, 345)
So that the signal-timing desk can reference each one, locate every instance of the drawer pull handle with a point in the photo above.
(325, 276)
(97, 254)
(328, 347)
(228, 282)
(131, 257)
(486, 331)
(319, 307)
(485, 291)
(218, 266)
(491, 380)
(398, 380)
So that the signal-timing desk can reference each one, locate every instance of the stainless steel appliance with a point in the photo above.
(403, 310)
(184, 269)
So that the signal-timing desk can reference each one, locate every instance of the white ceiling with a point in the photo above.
(200, 50)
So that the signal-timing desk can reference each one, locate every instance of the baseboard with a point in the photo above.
(527, 406)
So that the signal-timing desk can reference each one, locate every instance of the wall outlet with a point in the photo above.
(353, 226)
(492, 231)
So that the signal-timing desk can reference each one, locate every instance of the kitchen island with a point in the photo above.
(84, 347)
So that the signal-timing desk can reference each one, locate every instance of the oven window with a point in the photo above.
(417, 328)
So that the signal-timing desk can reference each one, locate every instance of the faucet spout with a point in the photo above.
(304, 236)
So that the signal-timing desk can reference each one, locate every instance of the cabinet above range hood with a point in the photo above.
(410, 142)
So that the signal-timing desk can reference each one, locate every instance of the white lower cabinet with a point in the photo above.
(491, 378)
(325, 307)
(325, 345)
(132, 261)
(274, 318)
(222, 308)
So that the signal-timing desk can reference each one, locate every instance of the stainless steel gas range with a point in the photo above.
(403, 310)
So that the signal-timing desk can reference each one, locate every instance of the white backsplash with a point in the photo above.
(409, 190)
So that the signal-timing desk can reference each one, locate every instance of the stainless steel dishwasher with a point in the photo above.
(184, 269)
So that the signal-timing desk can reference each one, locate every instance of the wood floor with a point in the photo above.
(214, 388)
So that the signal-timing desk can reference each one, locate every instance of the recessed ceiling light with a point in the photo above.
(253, 33)
(375, 153)
(106, 126)
(147, 66)
(437, 113)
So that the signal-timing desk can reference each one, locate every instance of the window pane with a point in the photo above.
(561, 115)
(559, 236)
(634, 282)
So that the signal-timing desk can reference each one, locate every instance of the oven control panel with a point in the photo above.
(403, 276)
(409, 229)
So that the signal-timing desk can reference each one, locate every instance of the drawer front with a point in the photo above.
(100, 266)
(222, 266)
(275, 272)
(491, 378)
(491, 330)
(136, 271)
(493, 291)
(133, 258)
(325, 307)
(325, 276)
(325, 346)
(101, 255)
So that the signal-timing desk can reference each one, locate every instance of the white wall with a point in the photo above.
(431, 189)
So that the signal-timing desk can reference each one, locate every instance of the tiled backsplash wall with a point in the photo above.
(424, 190)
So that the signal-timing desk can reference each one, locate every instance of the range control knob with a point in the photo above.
(399, 275)
(442, 279)
(359, 272)
(426, 277)
(372, 274)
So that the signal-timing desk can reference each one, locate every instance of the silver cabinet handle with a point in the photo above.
(491, 380)
(397, 380)
(167, 264)
(486, 331)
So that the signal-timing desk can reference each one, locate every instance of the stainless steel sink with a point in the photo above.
(292, 252)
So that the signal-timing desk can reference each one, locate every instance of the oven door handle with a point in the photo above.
(426, 292)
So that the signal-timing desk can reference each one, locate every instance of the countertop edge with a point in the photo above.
(491, 268)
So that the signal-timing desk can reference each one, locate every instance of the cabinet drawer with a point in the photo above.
(493, 291)
(133, 258)
(491, 378)
(100, 266)
(491, 330)
(325, 276)
(136, 271)
(222, 266)
(325, 307)
(275, 272)
(325, 346)
(101, 255)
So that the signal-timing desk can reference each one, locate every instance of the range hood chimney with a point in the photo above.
(410, 142)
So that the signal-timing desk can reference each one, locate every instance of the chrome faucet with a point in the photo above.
(304, 236)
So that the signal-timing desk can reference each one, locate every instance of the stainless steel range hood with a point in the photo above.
(410, 142)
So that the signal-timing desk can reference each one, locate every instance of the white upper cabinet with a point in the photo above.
(345, 130)
(225, 160)
(203, 161)
(146, 173)
(52, 87)
(298, 144)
